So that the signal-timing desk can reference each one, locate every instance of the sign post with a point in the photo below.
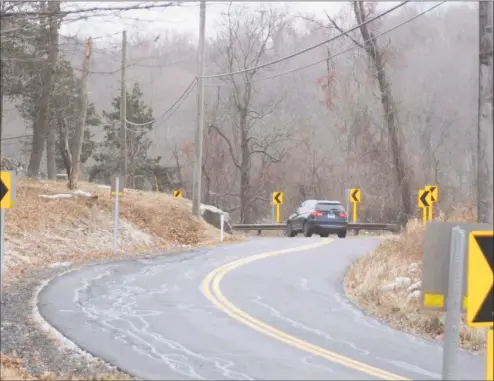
(454, 303)
(347, 198)
(278, 199)
(156, 183)
(2, 238)
(7, 199)
(434, 197)
(354, 199)
(222, 226)
(117, 193)
(424, 202)
(177, 193)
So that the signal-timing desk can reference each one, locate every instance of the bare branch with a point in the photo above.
(230, 147)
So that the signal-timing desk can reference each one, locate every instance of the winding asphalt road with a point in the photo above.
(269, 308)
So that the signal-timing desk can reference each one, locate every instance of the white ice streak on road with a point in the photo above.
(358, 315)
(189, 274)
(362, 318)
(342, 305)
(303, 284)
(305, 361)
(296, 324)
(121, 299)
(413, 368)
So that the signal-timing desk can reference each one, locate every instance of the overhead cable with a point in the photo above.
(333, 55)
(306, 49)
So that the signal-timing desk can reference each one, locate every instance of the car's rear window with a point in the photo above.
(327, 207)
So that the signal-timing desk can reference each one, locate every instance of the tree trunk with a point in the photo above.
(485, 120)
(387, 103)
(40, 125)
(76, 144)
(63, 141)
(51, 164)
(244, 171)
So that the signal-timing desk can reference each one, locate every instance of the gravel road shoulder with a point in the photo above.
(40, 349)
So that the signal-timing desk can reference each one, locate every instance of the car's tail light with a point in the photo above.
(316, 214)
(342, 214)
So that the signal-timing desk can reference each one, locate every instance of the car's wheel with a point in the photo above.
(342, 234)
(289, 231)
(307, 231)
(324, 235)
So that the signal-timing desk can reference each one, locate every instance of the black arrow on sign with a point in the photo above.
(486, 311)
(277, 197)
(354, 195)
(423, 198)
(3, 190)
(432, 189)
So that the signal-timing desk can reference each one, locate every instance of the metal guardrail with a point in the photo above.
(395, 228)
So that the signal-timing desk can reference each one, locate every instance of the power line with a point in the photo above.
(16, 137)
(79, 11)
(309, 48)
(334, 55)
(136, 64)
(179, 100)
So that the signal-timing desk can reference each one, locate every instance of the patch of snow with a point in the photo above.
(414, 295)
(416, 286)
(403, 281)
(60, 264)
(213, 209)
(389, 287)
(79, 192)
(413, 267)
(55, 196)
(399, 282)
(134, 235)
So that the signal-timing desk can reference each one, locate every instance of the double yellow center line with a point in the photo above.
(210, 287)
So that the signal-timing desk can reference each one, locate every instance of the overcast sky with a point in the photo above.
(183, 18)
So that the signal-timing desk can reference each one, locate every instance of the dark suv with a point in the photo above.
(318, 217)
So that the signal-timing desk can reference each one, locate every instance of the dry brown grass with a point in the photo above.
(43, 231)
(393, 258)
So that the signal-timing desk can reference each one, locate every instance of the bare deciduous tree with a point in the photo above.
(72, 159)
(396, 149)
(41, 124)
(245, 43)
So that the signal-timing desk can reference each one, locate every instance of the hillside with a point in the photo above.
(42, 231)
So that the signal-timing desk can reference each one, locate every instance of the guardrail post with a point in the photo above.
(454, 303)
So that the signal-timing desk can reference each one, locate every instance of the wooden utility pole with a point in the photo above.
(1, 80)
(485, 157)
(123, 112)
(196, 184)
(76, 144)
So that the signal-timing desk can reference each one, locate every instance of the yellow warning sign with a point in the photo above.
(480, 279)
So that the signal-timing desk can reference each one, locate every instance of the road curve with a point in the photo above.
(269, 308)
